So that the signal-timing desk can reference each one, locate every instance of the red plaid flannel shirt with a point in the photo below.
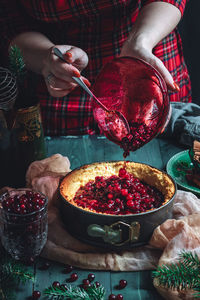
(99, 28)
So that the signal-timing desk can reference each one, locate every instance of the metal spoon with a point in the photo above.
(115, 130)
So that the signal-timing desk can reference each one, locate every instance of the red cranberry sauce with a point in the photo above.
(139, 135)
(118, 195)
(23, 203)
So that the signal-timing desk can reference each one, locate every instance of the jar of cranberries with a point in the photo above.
(23, 223)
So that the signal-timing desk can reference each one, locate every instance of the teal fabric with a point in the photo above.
(184, 124)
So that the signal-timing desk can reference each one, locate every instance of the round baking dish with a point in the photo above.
(116, 232)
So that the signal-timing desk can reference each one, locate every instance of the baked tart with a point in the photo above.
(117, 188)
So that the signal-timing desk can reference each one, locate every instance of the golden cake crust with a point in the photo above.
(79, 177)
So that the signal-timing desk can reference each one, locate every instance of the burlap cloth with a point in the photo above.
(168, 239)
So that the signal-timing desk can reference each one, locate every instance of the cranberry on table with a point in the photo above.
(36, 295)
(119, 297)
(73, 277)
(122, 284)
(112, 297)
(68, 269)
(91, 277)
(86, 281)
(56, 284)
(86, 286)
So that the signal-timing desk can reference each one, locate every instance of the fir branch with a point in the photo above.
(17, 270)
(17, 64)
(11, 274)
(96, 293)
(76, 293)
(182, 275)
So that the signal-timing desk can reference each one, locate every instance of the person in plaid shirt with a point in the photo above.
(90, 33)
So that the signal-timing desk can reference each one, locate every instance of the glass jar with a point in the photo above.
(135, 89)
(23, 223)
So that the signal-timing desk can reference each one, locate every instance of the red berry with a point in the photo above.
(91, 277)
(129, 197)
(112, 297)
(68, 269)
(86, 281)
(122, 284)
(73, 277)
(110, 196)
(124, 192)
(56, 284)
(97, 284)
(86, 286)
(36, 295)
(119, 297)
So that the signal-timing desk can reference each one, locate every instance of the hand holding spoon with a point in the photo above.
(116, 125)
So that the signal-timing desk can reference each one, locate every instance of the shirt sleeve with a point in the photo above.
(180, 4)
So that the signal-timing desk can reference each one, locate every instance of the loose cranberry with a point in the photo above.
(97, 284)
(122, 284)
(73, 277)
(86, 286)
(56, 284)
(119, 297)
(91, 277)
(36, 295)
(86, 281)
(112, 297)
(68, 269)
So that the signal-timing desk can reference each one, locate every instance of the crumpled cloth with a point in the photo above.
(184, 123)
(168, 239)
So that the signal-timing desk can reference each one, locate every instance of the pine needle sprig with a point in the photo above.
(76, 293)
(96, 293)
(181, 275)
(18, 272)
(11, 274)
(190, 260)
(17, 64)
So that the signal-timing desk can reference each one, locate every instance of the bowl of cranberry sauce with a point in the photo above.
(23, 223)
(116, 204)
(139, 92)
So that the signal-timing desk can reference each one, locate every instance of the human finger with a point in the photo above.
(77, 57)
(58, 88)
(58, 83)
(160, 67)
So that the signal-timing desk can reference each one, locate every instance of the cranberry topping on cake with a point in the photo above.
(120, 194)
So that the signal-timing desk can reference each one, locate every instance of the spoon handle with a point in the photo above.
(78, 80)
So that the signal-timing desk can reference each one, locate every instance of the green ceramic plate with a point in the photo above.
(178, 166)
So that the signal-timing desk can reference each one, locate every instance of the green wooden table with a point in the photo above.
(84, 150)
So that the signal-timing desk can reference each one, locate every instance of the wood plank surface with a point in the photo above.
(85, 150)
